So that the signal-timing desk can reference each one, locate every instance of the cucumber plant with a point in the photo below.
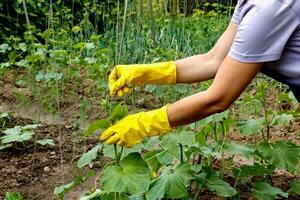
(148, 170)
(21, 134)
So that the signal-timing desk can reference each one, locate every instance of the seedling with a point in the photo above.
(21, 134)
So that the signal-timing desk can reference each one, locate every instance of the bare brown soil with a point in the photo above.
(35, 172)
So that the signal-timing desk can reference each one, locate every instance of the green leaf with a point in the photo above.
(4, 116)
(295, 187)
(30, 127)
(2, 147)
(3, 65)
(18, 133)
(157, 90)
(165, 157)
(13, 196)
(106, 196)
(108, 150)
(137, 197)
(263, 191)
(239, 149)
(90, 61)
(284, 97)
(251, 170)
(89, 156)
(213, 182)
(208, 151)
(170, 144)
(79, 45)
(151, 158)
(282, 119)
(46, 77)
(15, 130)
(119, 112)
(24, 136)
(151, 143)
(186, 137)
(46, 142)
(132, 176)
(95, 194)
(4, 47)
(283, 155)
(89, 45)
(251, 126)
(218, 117)
(182, 89)
(22, 63)
(222, 188)
(171, 141)
(101, 124)
(172, 183)
(62, 190)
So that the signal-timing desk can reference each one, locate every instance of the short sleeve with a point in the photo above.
(236, 13)
(263, 32)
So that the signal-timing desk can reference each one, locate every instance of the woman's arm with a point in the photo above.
(204, 67)
(230, 81)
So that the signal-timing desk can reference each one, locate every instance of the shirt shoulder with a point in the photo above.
(264, 29)
(294, 6)
(265, 8)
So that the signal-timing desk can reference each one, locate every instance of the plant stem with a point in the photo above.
(123, 31)
(197, 194)
(26, 13)
(215, 131)
(117, 161)
(120, 155)
(237, 179)
(181, 153)
(224, 133)
(117, 196)
(116, 155)
(152, 24)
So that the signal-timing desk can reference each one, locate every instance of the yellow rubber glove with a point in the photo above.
(140, 74)
(132, 129)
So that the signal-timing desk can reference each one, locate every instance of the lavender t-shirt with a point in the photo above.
(269, 32)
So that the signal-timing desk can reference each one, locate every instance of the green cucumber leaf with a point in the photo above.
(2, 147)
(171, 142)
(46, 142)
(251, 170)
(171, 183)
(239, 149)
(108, 150)
(210, 179)
(222, 188)
(295, 187)
(20, 137)
(263, 191)
(62, 190)
(101, 124)
(95, 194)
(132, 176)
(13, 196)
(89, 156)
(282, 119)
(279, 154)
(119, 112)
(251, 126)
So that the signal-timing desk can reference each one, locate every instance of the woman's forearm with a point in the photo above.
(196, 69)
(230, 81)
(193, 108)
(204, 67)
